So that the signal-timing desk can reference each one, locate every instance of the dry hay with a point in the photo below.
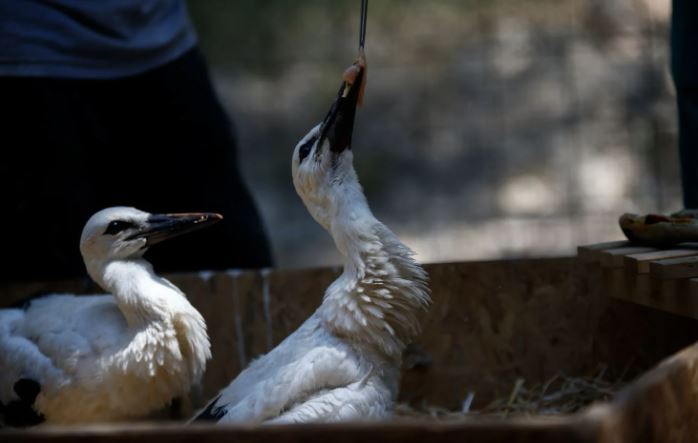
(561, 394)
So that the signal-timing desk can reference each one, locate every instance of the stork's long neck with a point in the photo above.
(142, 296)
(153, 305)
(378, 297)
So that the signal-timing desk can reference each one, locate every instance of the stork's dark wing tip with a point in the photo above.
(212, 412)
(27, 389)
(20, 413)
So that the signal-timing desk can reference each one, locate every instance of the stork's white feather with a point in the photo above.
(106, 357)
(343, 363)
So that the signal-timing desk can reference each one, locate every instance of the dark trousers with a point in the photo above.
(159, 141)
(684, 64)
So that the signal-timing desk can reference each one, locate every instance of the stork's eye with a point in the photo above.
(305, 148)
(117, 226)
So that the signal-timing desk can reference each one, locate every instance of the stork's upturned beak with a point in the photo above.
(164, 226)
(338, 125)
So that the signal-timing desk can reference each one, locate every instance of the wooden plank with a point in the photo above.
(592, 253)
(692, 296)
(693, 286)
(613, 282)
(640, 263)
(673, 296)
(613, 258)
(536, 429)
(682, 300)
(673, 268)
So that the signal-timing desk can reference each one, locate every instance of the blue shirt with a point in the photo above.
(96, 39)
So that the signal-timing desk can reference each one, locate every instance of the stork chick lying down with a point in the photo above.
(67, 359)
(343, 363)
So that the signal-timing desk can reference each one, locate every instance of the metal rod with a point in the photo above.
(362, 28)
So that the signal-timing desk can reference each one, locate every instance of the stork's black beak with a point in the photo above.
(161, 227)
(338, 125)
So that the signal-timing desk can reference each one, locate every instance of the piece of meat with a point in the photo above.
(352, 72)
(659, 230)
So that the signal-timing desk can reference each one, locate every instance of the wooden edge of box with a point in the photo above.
(571, 428)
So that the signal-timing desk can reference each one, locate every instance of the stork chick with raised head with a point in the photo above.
(80, 359)
(343, 363)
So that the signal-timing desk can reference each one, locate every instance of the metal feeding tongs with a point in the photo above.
(357, 71)
(362, 25)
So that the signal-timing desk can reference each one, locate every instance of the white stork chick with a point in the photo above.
(79, 359)
(343, 363)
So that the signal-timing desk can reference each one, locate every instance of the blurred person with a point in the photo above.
(684, 67)
(108, 103)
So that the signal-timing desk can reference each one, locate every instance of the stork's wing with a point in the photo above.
(356, 402)
(48, 340)
(320, 369)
